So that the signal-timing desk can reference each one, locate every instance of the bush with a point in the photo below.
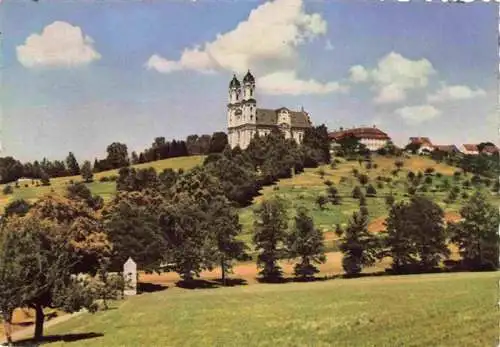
(356, 192)
(429, 171)
(428, 180)
(465, 195)
(371, 191)
(375, 165)
(328, 183)
(362, 200)
(113, 178)
(439, 175)
(321, 201)
(321, 172)
(333, 165)
(380, 185)
(104, 179)
(26, 185)
(355, 172)
(8, 189)
(363, 179)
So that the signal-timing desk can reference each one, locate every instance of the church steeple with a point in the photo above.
(234, 82)
(248, 86)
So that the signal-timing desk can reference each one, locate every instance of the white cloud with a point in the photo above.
(456, 92)
(358, 74)
(329, 46)
(266, 42)
(394, 76)
(287, 82)
(418, 114)
(59, 44)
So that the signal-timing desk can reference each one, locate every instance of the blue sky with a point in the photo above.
(77, 76)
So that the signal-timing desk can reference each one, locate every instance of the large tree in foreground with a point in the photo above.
(306, 243)
(224, 229)
(416, 236)
(270, 233)
(358, 246)
(36, 263)
(476, 235)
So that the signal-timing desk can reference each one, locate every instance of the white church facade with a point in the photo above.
(244, 119)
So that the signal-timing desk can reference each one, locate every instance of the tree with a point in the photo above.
(225, 228)
(218, 142)
(415, 236)
(476, 235)
(356, 192)
(270, 232)
(72, 165)
(317, 146)
(79, 191)
(358, 246)
(389, 200)
(371, 191)
(131, 222)
(134, 158)
(87, 174)
(305, 242)
(363, 179)
(333, 195)
(81, 226)
(117, 155)
(131, 179)
(36, 270)
(44, 179)
(7, 189)
(17, 207)
(399, 164)
(321, 201)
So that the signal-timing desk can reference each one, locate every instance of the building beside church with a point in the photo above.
(372, 137)
(245, 119)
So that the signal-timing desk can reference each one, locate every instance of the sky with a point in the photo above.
(77, 76)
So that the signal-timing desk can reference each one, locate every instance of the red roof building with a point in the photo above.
(373, 138)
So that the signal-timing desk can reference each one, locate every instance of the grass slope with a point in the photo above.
(303, 189)
(104, 189)
(418, 310)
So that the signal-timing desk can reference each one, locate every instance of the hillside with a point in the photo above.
(429, 310)
(303, 189)
(104, 189)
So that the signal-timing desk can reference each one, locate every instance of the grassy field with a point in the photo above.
(303, 189)
(104, 189)
(456, 309)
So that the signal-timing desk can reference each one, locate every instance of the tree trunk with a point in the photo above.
(223, 268)
(7, 324)
(40, 317)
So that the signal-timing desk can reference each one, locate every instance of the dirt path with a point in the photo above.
(29, 331)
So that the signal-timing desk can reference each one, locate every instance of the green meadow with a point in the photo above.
(457, 309)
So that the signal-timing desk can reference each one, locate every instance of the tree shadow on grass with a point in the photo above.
(144, 287)
(292, 280)
(206, 284)
(57, 338)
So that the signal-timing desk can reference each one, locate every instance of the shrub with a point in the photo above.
(429, 171)
(363, 179)
(328, 183)
(362, 200)
(389, 200)
(399, 164)
(104, 179)
(428, 180)
(457, 175)
(355, 172)
(356, 192)
(321, 172)
(113, 178)
(465, 195)
(371, 191)
(364, 210)
(375, 165)
(439, 175)
(8, 189)
(380, 185)
(321, 201)
(26, 185)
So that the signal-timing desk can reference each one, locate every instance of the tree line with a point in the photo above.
(117, 156)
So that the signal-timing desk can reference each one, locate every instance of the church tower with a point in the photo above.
(249, 102)
(234, 113)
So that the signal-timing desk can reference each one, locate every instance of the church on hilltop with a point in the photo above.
(244, 119)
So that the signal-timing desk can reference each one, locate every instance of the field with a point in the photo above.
(303, 189)
(104, 189)
(418, 310)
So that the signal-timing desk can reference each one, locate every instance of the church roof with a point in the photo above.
(270, 117)
(248, 78)
(234, 83)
